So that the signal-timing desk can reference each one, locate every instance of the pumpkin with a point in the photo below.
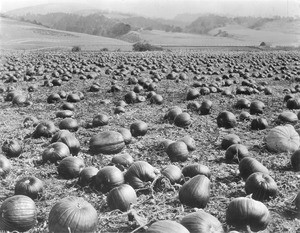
(189, 141)
(259, 123)
(242, 212)
(139, 173)
(130, 97)
(229, 140)
(69, 124)
(193, 106)
(18, 213)
(29, 186)
(107, 178)
(119, 109)
(195, 192)
(156, 99)
(108, 142)
(5, 166)
(205, 107)
(242, 103)
(164, 143)
(283, 139)
(12, 148)
(64, 114)
(166, 226)
(87, 175)
(261, 185)
(72, 214)
(55, 152)
(121, 197)
(44, 129)
(173, 113)
(20, 100)
(288, 117)
(245, 116)
(226, 119)
(69, 139)
(122, 159)
(183, 120)
(293, 103)
(295, 160)
(249, 165)
(192, 170)
(138, 128)
(236, 152)
(287, 97)
(173, 173)
(68, 106)
(70, 167)
(100, 120)
(126, 135)
(73, 98)
(202, 222)
(53, 98)
(192, 94)
(177, 151)
(256, 107)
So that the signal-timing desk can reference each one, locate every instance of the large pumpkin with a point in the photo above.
(167, 226)
(17, 213)
(108, 142)
(72, 214)
(226, 119)
(283, 139)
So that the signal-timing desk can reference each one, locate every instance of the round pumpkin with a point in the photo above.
(242, 103)
(165, 226)
(5, 166)
(226, 119)
(256, 107)
(243, 212)
(189, 141)
(183, 120)
(195, 192)
(108, 142)
(87, 175)
(72, 214)
(205, 107)
(249, 165)
(44, 129)
(107, 178)
(177, 151)
(261, 185)
(12, 148)
(288, 117)
(173, 113)
(122, 159)
(259, 123)
(100, 120)
(192, 170)
(126, 135)
(69, 124)
(293, 103)
(70, 167)
(229, 140)
(283, 139)
(236, 153)
(68, 138)
(55, 152)
(64, 114)
(121, 197)
(156, 99)
(29, 186)
(173, 173)
(18, 213)
(202, 222)
(139, 173)
(138, 128)
(192, 94)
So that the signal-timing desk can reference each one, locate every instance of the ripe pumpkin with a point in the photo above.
(189, 141)
(236, 153)
(138, 173)
(245, 116)
(5, 166)
(293, 103)
(122, 159)
(173, 173)
(229, 140)
(121, 197)
(29, 186)
(205, 107)
(243, 103)
(12, 148)
(18, 213)
(126, 135)
(53, 98)
(192, 94)
(195, 192)
(69, 124)
(69, 139)
(44, 129)
(177, 151)
(202, 222)
(283, 139)
(156, 99)
(193, 106)
(107, 178)
(138, 128)
(256, 107)
(70, 167)
(288, 117)
(244, 211)
(183, 120)
(87, 175)
(249, 165)
(295, 160)
(259, 123)
(173, 113)
(100, 120)
(130, 97)
(166, 226)
(192, 170)
(55, 152)
(108, 142)
(261, 185)
(64, 114)
(73, 98)
(226, 119)
(72, 214)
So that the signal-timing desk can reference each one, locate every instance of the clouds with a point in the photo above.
(170, 8)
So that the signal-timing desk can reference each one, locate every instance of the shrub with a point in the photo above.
(76, 48)
(140, 47)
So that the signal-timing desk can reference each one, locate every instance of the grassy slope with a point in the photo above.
(20, 35)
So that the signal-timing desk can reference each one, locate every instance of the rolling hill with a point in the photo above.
(22, 36)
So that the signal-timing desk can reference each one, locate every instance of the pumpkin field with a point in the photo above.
(199, 141)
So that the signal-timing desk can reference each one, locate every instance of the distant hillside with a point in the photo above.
(22, 35)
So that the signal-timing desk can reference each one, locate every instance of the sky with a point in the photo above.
(170, 8)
